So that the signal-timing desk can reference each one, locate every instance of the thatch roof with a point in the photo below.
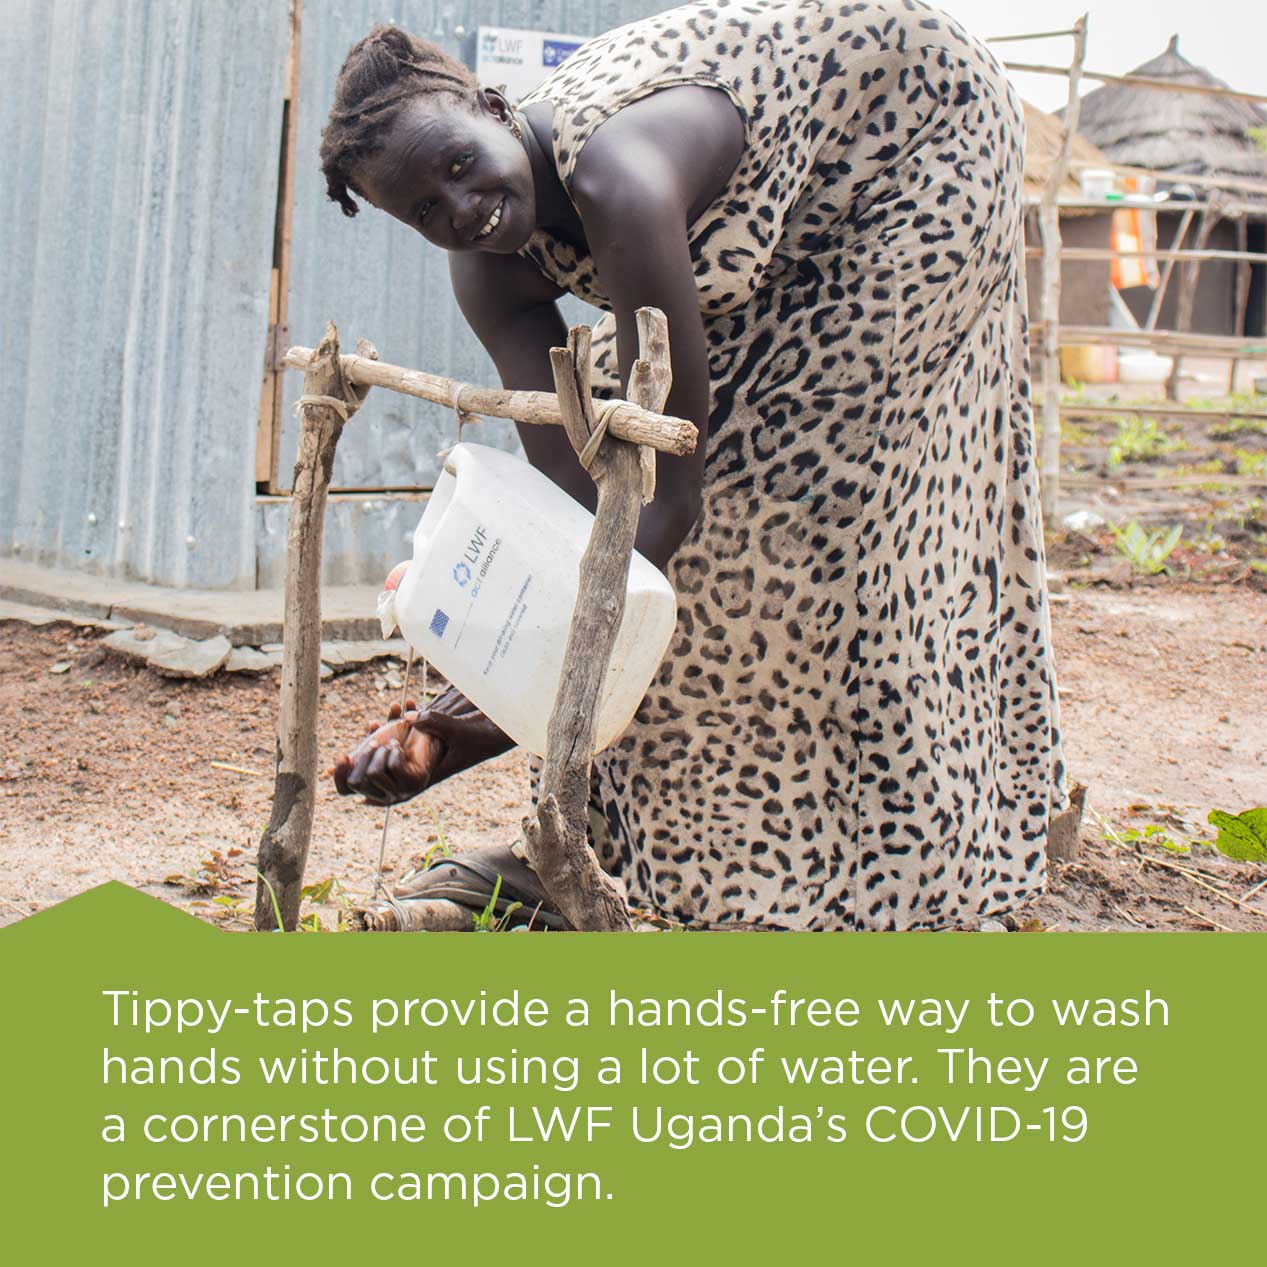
(1043, 136)
(1175, 132)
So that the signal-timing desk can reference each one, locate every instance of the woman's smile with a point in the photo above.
(493, 221)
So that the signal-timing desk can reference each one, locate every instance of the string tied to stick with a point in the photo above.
(590, 451)
(340, 407)
(464, 416)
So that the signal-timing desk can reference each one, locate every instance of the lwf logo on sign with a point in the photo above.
(518, 60)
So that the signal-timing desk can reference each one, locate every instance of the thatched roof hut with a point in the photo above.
(1176, 132)
(1043, 135)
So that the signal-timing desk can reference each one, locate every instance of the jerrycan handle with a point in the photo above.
(437, 504)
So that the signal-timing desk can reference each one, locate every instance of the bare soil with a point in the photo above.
(106, 770)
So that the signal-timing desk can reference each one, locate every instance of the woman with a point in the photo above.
(856, 724)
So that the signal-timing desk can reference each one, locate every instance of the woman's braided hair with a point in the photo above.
(381, 73)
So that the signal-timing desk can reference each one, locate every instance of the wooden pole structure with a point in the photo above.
(622, 464)
(1189, 276)
(557, 837)
(1154, 312)
(327, 403)
(1049, 226)
(1146, 81)
(627, 422)
(1240, 308)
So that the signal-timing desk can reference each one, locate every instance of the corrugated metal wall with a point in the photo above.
(137, 209)
(374, 277)
(137, 204)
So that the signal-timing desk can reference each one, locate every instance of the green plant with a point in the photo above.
(1242, 837)
(1147, 551)
(488, 921)
(277, 910)
(1140, 440)
(1234, 428)
(1250, 463)
(440, 844)
(1150, 834)
(1210, 542)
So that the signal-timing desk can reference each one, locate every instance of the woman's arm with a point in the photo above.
(635, 214)
(635, 207)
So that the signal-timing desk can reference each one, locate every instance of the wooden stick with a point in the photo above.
(638, 426)
(1244, 276)
(1193, 878)
(1049, 226)
(1207, 919)
(1092, 253)
(1235, 184)
(1189, 278)
(284, 847)
(1143, 483)
(1144, 81)
(421, 915)
(1154, 311)
(1177, 410)
(1255, 891)
(1035, 35)
(557, 837)
(1164, 341)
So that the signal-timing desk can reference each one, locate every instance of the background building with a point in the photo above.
(1186, 134)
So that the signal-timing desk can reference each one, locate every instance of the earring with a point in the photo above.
(515, 130)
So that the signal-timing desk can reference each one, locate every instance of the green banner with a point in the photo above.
(176, 1091)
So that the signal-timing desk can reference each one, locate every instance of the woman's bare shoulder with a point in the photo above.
(681, 143)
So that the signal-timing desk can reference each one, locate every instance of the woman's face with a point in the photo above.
(456, 175)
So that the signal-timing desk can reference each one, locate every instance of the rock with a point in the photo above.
(194, 659)
(250, 660)
(992, 926)
(62, 666)
(1082, 521)
(169, 653)
(140, 643)
(339, 653)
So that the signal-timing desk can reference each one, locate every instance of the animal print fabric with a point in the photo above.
(856, 724)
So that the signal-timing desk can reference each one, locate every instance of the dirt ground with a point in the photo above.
(106, 769)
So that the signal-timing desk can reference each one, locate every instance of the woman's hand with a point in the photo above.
(415, 750)
(393, 763)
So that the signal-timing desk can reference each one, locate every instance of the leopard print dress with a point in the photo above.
(856, 724)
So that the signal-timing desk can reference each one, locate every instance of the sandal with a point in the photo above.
(470, 879)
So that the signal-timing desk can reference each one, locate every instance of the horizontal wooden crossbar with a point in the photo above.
(676, 436)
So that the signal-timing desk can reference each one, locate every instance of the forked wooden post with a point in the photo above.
(329, 400)
(557, 838)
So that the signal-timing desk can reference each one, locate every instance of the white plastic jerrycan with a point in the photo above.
(489, 595)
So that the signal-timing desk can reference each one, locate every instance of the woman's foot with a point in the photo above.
(470, 879)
